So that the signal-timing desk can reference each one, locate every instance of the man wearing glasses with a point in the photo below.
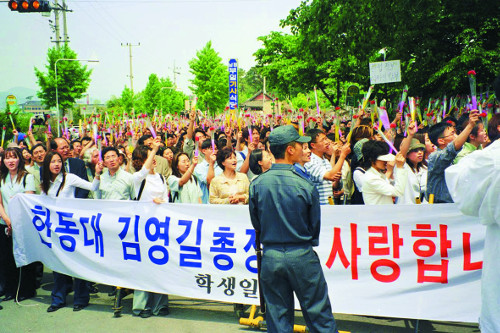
(116, 183)
(448, 144)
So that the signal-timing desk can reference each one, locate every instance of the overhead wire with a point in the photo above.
(104, 28)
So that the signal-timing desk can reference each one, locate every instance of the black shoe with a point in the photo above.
(93, 289)
(25, 297)
(145, 314)
(8, 298)
(54, 308)
(79, 307)
(1, 307)
(164, 312)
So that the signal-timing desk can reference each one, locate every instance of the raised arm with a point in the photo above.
(405, 145)
(462, 137)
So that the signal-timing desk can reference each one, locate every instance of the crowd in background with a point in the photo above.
(196, 163)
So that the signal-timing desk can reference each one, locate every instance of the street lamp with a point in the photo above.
(57, 93)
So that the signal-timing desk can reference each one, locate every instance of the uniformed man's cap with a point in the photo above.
(286, 134)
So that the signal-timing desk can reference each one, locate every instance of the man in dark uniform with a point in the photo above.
(284, 208)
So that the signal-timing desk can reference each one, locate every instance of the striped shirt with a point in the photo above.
(317, 168)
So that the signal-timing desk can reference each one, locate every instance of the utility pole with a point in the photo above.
(65, 29)
(130, 45)
(56, 24)
(57, 8)
(175, 72)
(131, 72)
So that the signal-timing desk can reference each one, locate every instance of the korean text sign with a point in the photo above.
(385, 72)
(419, 261)
(233, 84)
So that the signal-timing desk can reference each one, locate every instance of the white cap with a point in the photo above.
(386, 158)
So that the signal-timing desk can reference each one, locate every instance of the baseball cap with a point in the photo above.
(386, 158)
(286, 134)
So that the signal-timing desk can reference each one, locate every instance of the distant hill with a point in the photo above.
(20, 92)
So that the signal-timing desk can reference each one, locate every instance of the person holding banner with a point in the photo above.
(71, 165)
(285, 212)
(57, 183)
(14, 179)
(150, 186)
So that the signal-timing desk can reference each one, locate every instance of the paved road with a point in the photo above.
(186, 315)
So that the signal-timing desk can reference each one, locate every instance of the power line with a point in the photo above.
(112, 34)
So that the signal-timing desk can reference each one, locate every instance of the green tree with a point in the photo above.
(249, 83)
(21, 121)
(171, 100)
(151, 95)
(333, 42)
(127, 100)
(210, 83)
(73, 79)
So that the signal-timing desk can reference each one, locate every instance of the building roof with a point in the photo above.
(259, 96)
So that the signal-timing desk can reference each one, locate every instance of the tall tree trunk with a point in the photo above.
(328, 97)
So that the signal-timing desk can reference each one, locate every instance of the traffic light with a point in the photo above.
(29, 6)
(13, 5)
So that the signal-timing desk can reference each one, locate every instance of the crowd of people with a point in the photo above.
(202, 164)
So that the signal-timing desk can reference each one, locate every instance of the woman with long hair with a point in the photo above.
(230, 187)
(56, 182)
(14, 179)
(28, 161)
(183, 184)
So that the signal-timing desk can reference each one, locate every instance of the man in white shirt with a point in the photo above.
(322, 173)
(207, 169)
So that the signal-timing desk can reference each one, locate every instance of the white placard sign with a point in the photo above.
(385, 72)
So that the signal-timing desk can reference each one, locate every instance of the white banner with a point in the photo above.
(420, 261)
(385, 72)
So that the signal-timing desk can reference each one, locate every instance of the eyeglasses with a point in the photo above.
(451, 134)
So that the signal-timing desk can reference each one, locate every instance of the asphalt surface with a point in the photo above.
(186, 315)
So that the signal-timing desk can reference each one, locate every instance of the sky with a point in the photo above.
(168, 31)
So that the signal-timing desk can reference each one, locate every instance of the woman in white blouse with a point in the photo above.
(416, 167)
(150, 186)
(377, 189)
(56, 182)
